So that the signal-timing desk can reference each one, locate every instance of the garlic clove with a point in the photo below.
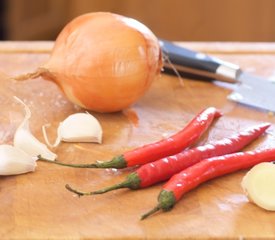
(15, 161)
(24, 140)
(78, 127)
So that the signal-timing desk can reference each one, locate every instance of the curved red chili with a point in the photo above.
(154, 151)
(205, 170)
(174, 144)
(164, 168)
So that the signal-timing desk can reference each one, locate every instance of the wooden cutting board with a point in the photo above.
(37, 206)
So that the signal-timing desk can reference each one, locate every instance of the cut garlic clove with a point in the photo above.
(15, 161)
(78, 127)
(24, 140)
(258, 185)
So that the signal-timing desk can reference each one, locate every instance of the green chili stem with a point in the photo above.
(93, 165)
(154, 210)
(116, 162)
(124, 184)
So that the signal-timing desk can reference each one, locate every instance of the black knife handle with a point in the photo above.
(195, 64)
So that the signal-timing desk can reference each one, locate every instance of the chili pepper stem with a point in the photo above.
(93, 165)
(152, 211)
(116, 162)
(132, 181)
(101, 191)
(166, 201)
(68, 187)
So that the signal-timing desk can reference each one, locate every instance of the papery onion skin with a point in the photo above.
(104, 62)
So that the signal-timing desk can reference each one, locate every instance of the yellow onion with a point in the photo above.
(103, 61)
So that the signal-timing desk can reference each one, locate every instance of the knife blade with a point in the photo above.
(249, 90)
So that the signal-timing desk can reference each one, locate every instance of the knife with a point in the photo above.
(249, 89)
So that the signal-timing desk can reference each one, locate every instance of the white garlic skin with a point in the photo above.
(15, 161)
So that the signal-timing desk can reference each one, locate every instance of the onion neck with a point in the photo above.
(40, 72)
(46, 74)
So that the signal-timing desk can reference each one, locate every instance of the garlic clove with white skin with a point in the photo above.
(15, 161)
(81, 127)
(24, 140)
(78, 127)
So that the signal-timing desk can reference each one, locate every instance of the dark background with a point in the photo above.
(179, 20)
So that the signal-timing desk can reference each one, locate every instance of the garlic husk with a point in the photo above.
(15, 161)
(78, 127)
(24, 140)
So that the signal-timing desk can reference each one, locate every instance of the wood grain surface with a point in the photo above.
(37, 205)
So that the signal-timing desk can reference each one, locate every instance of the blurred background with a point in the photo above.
(179, 20)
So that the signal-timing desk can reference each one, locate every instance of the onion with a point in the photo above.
(102, 61)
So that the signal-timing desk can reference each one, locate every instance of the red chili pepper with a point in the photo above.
(154, 151)
(205, 170)
(174, 144)
(164, 168)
